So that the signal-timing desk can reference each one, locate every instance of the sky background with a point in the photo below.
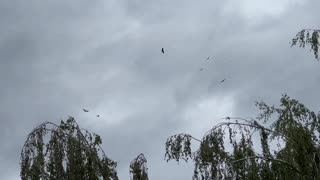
(57, 57)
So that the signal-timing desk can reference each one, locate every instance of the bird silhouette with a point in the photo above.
(201, 69)
(208, 58)
(98, 115)
(162, 50)
(222, 80)
(85, 110)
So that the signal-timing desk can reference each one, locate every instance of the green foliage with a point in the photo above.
(178, 147)
(295, 127)
(308, 37)
(65, 152)
(211, 155)
(138, 168)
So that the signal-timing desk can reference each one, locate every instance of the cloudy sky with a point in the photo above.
(57, 57)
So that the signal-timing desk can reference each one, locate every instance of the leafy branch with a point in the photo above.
(308, 37)
(138, 168)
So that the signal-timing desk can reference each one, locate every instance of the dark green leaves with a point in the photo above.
(65, 152)
(138, 168)
(308, 37)
(178, 147)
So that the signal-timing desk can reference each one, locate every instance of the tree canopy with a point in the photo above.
(293, 129)
(65, 152)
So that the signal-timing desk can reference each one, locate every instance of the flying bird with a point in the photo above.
(222, 80)
(208, 58)
(85, 110)
(201, 69)
(162, 50)
(98, 115)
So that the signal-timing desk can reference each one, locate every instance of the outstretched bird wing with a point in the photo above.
(85, 110)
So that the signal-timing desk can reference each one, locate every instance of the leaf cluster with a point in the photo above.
(65, 152)
(308, 37)
(138, 168)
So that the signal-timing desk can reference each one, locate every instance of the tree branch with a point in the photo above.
(268, 159)
(253, 123)
(196, 139)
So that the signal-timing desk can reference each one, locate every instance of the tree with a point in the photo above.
(138, 168)
(308, 37)
(295, 130)
(65, 151)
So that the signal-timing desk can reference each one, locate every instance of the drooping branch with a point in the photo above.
(269, 159)
(308, 37)
(70, 152)
(57, 128)
(249, 123)
(138, 168)
(179, 147)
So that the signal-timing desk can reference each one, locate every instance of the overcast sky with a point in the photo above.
(58, 56)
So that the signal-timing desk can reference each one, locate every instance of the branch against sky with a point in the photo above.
(296, 126)
(308, 37)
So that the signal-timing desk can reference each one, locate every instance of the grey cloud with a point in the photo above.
(59, 57)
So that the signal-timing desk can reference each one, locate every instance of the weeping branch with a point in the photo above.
(70, 152)
(308, 37)
(269, 159)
